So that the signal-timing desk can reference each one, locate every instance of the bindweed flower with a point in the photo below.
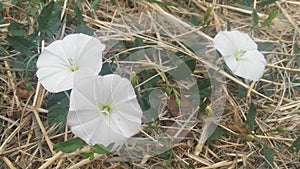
(104, 110)
(240, 54)
(77, 55)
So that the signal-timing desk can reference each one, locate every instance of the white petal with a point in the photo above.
(85, 50)
(87, 100)
(98, 131)
(118, 122)
(107, 135)
(52, 69)
(55, 79)
(79, 119)
(82, 51)
(232, 63)
(93, 126)
(224, 44)
(229, 42)
(251, 66)
(242, 41)
(106, 85)
(52, 54)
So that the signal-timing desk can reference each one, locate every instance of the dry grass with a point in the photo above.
(27, 140)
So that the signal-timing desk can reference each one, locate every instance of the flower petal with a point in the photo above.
(242, 41)
(251, 66)
(55, 79)
(57, 60)
(229, 42)
(96, 127)
(94, 130)
(240, 54)
(223, 43)
(52, 55)
(85, 50)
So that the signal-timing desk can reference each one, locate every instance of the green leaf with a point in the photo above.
(297, 51)
(269, 88)
(268, 154)
(149, 104)
(26, 63)
(265, 46)
(32, 37)
(190, 62)
(79, 4)
(243, 7)
(296, 145)
(242, 92)
(95, 2)
(219, 132)
(164, 151)
(266, 2)
(164, 3)
(58, 107)
(207, 15)
(297, 81)
(49, 19)
(247, 2)
(55, 98)
(88, 154)
(16, 29)
(30, 65)
(21, 44)
(251, 116)
(69, 146)
(57, 115)
(203, 84)
(228, 25)
(31, 11)
(1, 126)
(18, 63)
(84, 29)
(106, 69)
(272, 15)
(113, 2)
(191, 166)
(1, 20)
(193, 45)
(254, 17)
(203, 87)
(138, 42)
(185, 67)
(145, 75)
(177, 99)
(100, 149)
(79, 16)
(143, 100)
(195, 20)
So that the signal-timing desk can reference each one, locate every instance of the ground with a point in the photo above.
(260, 122)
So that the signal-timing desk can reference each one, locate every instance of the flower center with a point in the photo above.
(238, 55)
(73, 67)
(105, 109)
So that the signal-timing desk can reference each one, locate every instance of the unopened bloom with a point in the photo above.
(240, 54)
(76, 55)
(104, 110)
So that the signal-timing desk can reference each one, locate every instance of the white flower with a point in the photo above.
(104, 110)
(240, 54)
(61, 61)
